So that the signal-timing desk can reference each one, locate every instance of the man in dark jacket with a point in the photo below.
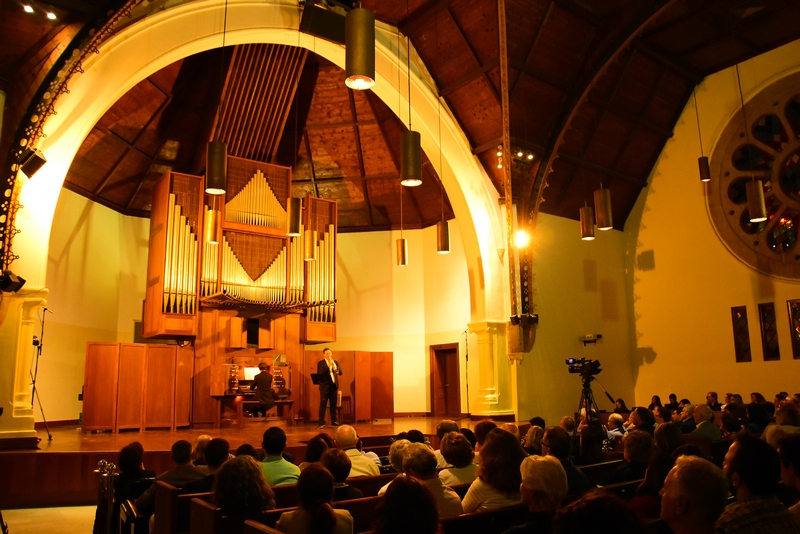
(262, 383)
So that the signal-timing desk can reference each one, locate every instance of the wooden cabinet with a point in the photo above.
(374, 381)
(132, 385)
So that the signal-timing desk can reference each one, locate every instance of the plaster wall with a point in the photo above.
(682, 278)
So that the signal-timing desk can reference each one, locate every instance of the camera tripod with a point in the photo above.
(589, 404)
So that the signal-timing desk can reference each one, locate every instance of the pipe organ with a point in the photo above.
(253, 267)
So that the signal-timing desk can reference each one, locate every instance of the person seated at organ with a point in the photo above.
(347, 440)
(444, 427)
(639, 449)
(544, 486)
(420, 462)
(262, 384)
(458, 453)
(241, 491)
(339, 465)
(498, 480)
(753, 469)
(216, 454)
(694, 495)
(276, 469)
(704, 417)
(315, 515)
(183, 473)
(396, 455)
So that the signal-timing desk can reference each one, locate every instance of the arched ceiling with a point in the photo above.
(595, 89)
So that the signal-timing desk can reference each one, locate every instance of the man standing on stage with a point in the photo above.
(329, 372)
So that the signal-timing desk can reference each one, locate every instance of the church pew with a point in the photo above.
(369, 486)
(460, 489)
(489, 522)
(254, 527)
(172, 509)
(624, 490)
(286, 496)
(600, 474)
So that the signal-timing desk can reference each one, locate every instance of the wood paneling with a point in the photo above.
(159, 391)
(130, 398)
(374, 386)
(100, 386)
(184, 369)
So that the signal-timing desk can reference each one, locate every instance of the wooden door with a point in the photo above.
(159, 393)
(100, 386)
(382, 385)
(445, 381)
(130, 393)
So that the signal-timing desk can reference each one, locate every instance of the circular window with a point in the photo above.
(769, 150)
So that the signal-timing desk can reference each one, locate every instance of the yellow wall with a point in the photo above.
(96, 275)
(683, 279)
(580, 289)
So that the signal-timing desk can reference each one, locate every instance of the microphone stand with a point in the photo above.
(39, 344)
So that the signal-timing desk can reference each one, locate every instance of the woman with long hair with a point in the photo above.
(315, 515)
(499, 476)
(315, 447)
(408, 506)
(241, 490)
(620, 407)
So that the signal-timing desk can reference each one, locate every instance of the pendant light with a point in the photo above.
(217, 152)
(702, 161)
(587, 223)
(359, 36)
(402, 244)
(442, 226)
(410, 151)
(754, 188)
(295, 214)
(602, 209)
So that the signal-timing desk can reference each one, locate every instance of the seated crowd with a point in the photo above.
(670, 477)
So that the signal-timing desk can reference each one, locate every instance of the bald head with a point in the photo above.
(512, 428)
(346, 437)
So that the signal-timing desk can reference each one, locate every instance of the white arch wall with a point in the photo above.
(161, 34)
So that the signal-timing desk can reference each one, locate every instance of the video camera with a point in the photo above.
(586, 368)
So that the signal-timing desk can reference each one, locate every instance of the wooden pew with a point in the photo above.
(460, 489)
(286, 496)
(254, 527)
(489, 522)
(600, 474)
(172, 509)
(369, 486)
(362, 510)
(624, 490)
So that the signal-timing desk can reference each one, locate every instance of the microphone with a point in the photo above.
(48, 310)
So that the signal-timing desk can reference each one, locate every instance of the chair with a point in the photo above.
(489, 522)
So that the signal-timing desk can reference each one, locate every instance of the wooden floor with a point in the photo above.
(61, 471)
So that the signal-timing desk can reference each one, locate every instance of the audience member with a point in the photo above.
(556, 443)
(511, 428)
(647, 502)
(277, 470)
(693, 497)
(753, 470)
(655, 402)
(482, 429)
(684, 402)
(458, 453)
(131, 469)
(620, 407)
(533, 440)
(729, 424)
(420, 462)
(689, 450)
(240, 489)
(372, 455)
(470, 435)
(757, 398)
(592, 438)
(712, 401)
(416, 436)
(497, 484)
(315, 447)
(216, 454)
(247, 450)
(642, 419)
(737, 399)
(615, 426)
(315, 515)
(638, 450)
(597, 512)
(757, 418)
(338, 464)
(396, 453)
(445, 426)
(406, 507)
(789, 454)
(347, 439)
(673, 402)
(537, 421)
(704, 417)
(687, 424)
(668, 437)
(568, 425)
(183, 473)
(544, 486)
(198, 454)
(661, 415)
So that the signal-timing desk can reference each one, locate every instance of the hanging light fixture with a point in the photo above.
(410, 151)
(402, 244)
(702, 161)
(217, 152)
(295, 214)
(359, 36)
(442, 226)
(602, 208)
(587, 223)
(754, 188)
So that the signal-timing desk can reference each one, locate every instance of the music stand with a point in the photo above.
(320, 378)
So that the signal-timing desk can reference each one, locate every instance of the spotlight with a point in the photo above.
(521, 239)
(27, 8)
(520, 153)
(31, 161)
(499, 151)
(10, 282)
(51, 15)
(530, 156)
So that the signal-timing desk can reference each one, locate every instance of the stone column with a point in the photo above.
(494, 396)
(18, 325)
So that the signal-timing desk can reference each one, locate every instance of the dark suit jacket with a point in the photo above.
(327, 383)
(262, 383)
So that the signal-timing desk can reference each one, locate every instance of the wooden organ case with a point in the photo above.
(219, 263)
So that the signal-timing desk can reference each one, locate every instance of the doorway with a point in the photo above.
(445, 381)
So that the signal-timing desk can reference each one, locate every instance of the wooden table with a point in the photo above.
(236, 404)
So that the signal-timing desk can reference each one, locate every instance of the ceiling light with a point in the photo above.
(411, 160)
(530, 156)
(520, 153)
(51, 15)
(216, 164)
(360, 49)
(443, 237)
(27, 8)
(499, 150)
(602, 209)
(587, 223)
(755, 201)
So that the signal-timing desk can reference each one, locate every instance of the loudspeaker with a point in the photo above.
(10, 282)
(31, 161)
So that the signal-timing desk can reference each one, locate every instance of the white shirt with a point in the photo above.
(453, 476)
(481, 497)
(447, 500)
(361, 465)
